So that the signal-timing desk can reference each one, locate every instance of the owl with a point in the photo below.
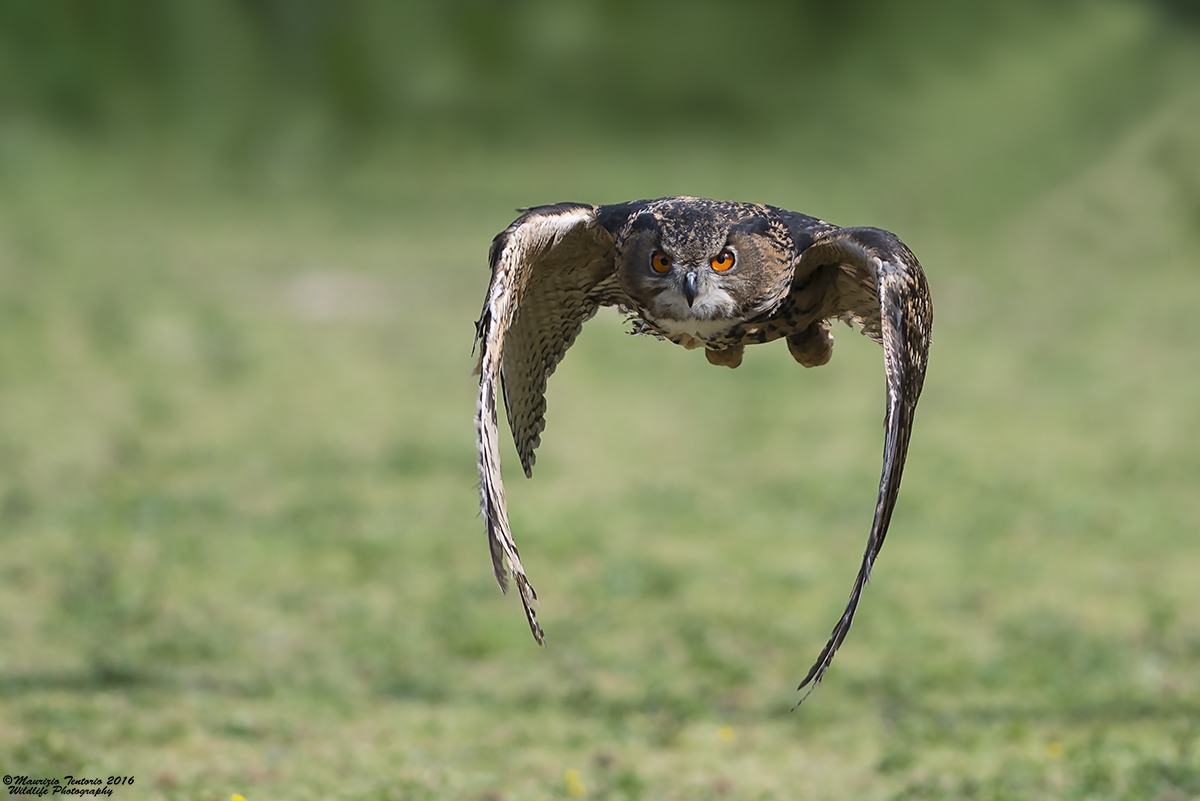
(699, 273)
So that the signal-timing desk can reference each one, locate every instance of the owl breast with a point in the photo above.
(703, 330)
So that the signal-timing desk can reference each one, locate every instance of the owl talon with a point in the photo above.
(813, 346)
(728, 357)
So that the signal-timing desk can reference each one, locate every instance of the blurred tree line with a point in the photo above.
(237, 67)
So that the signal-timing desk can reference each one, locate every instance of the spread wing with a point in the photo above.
(877, 284)
(551, 270)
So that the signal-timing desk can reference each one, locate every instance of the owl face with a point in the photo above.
(701, 266)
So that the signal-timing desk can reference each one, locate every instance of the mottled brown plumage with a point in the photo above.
(700, 273)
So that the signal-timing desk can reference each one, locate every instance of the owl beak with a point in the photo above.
(689, 287)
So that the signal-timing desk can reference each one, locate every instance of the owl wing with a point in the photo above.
(875, 282)
(551, 270)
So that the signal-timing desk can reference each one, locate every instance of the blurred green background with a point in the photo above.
(242, 246)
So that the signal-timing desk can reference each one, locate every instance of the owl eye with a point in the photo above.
(723, 261)
(660, 261)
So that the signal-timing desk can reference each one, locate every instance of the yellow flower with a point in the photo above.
(574, 785)
(237, 797)
(725, 734)
(1054, 750)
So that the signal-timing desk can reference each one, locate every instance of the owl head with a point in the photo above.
(691, 259)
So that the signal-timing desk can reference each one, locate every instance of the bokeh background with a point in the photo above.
(242, 246)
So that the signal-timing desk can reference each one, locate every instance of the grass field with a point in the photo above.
(241, 543)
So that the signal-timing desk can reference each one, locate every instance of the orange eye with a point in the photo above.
(660, 261)
(723, 261)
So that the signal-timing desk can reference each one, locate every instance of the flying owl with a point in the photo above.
(702, 274)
